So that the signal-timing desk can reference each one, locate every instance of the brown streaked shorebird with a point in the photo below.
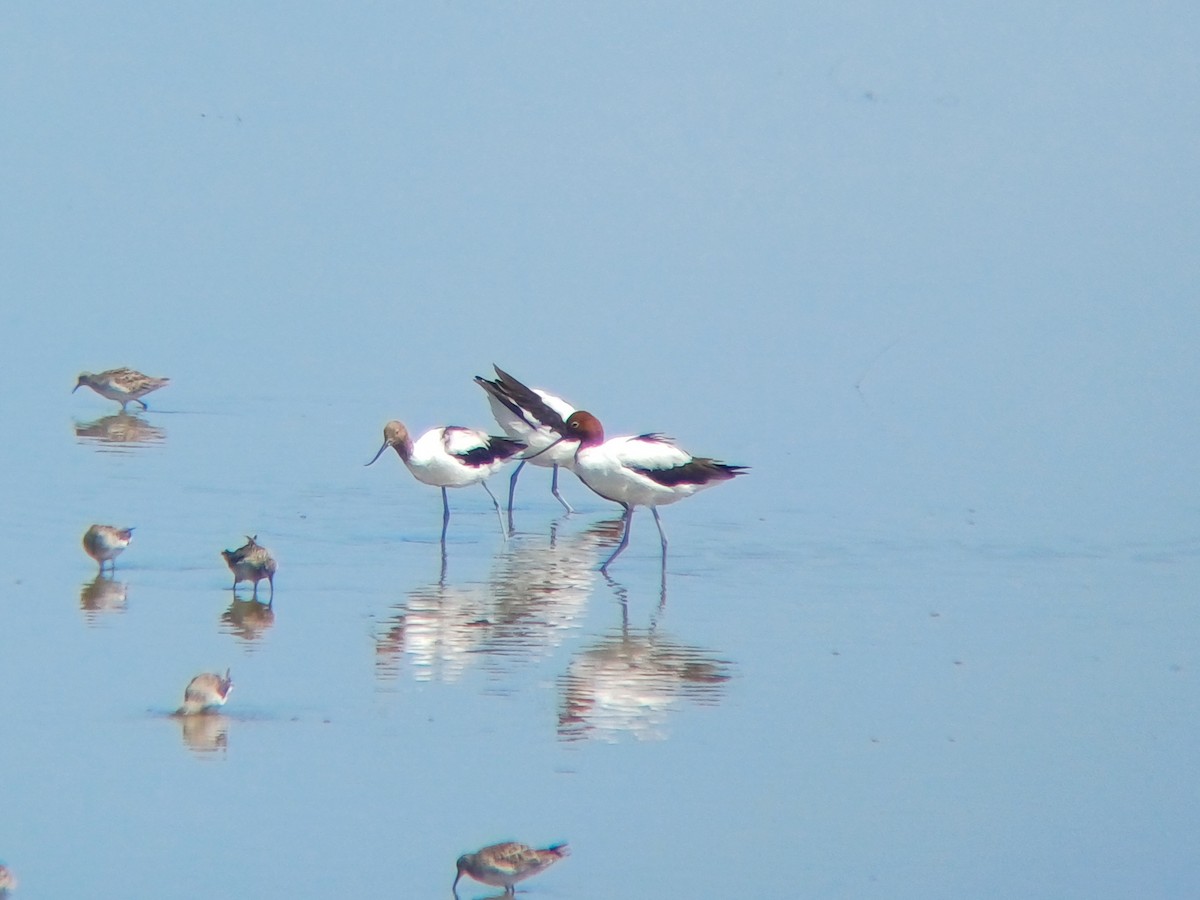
(123, 385)
(251, 562)
(104, 543)
(503, 865)
(204, 692)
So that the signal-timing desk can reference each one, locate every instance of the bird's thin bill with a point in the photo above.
(543, 450)
(379, 454)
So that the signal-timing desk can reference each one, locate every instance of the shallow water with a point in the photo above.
(893, 713)
(922, 273)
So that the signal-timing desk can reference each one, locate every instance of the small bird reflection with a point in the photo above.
(119, 432)
(540, 591)
(8, 881)
(438, 627)
(102, 595)
(629, 681)
(204, 733)
(537, 590)
(247, 619)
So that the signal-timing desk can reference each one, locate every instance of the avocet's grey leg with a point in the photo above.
(624, 539)
(554, 490)
(663, 535)
(512, 485)
(496, 503)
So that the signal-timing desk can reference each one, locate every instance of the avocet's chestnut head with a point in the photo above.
(394, 435)
(585, 428)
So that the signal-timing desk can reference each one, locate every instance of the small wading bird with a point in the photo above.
(536, 419)
(646, 470)
(104, 543)
(251, 562)
(503, 865)
(450, 457)
(205, 692)
(122, 385)
(8, 881)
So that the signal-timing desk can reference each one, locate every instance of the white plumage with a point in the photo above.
(448, 457)
(646, 470)
(537, 419)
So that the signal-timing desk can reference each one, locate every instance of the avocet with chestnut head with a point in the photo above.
(642, 470)
(450, 457)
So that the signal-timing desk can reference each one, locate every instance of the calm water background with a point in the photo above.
(930, 272)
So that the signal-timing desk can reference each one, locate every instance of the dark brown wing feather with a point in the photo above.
(698, 471)
(528, 399)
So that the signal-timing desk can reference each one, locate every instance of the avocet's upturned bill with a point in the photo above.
(535, 418)
(644, 470)
(450, 457)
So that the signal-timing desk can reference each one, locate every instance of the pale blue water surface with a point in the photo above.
(929, 271)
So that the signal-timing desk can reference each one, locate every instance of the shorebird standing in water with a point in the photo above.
(8, 881)
(450, 457)
(503, 865)
(122, 385)
(646, 470)
(251, 562)
(104, 543)
(536, 419)
(204, 692)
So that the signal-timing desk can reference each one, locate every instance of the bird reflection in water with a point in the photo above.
(100, 596)
(629, 681)
(537, 590)
(8, 881)
(247, 619)
(438, 627)
(204, 733)
(119, 432)
(540, 591)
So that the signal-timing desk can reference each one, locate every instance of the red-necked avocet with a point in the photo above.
(643, 470)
